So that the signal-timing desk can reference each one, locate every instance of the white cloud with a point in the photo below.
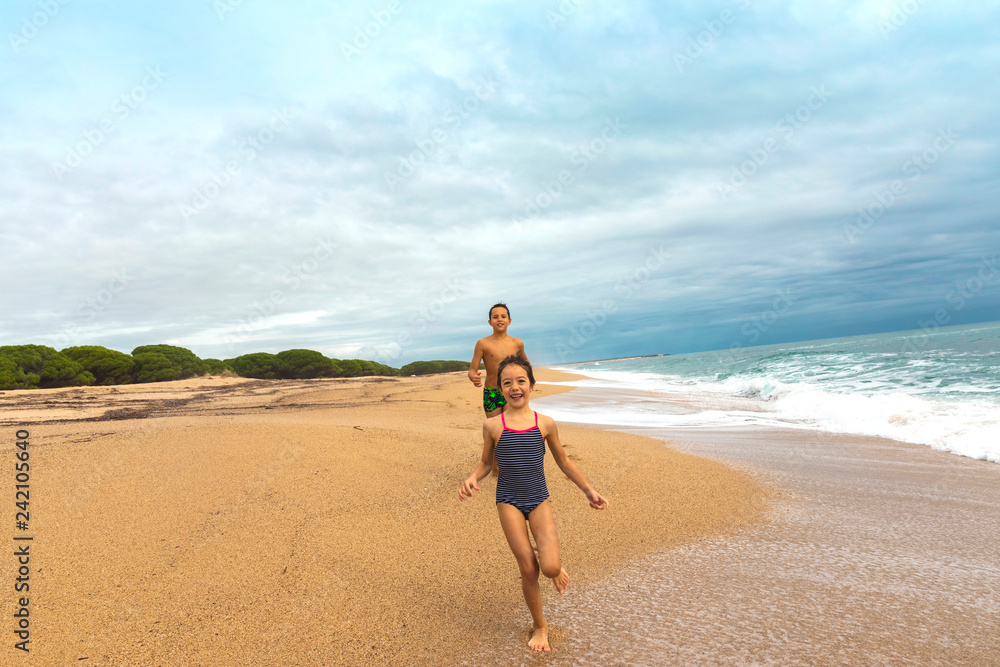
(323, 176)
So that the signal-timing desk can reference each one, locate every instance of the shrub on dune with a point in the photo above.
(299, 364)
(215, 366)
(184, 361)
(107, 366)
(436, 366)
(155, 367)
(262, 365)
(43, 367)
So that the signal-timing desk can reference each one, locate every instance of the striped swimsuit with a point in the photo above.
(521, 459)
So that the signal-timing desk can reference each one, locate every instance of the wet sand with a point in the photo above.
(220, 521)
(879, 553)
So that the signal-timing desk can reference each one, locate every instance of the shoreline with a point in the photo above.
(234, 521)
(878, 552)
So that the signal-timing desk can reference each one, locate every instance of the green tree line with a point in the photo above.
(42, 367)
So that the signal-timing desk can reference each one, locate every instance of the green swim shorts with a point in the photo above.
(493, 399)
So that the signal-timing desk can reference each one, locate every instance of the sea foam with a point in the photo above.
(947, 398)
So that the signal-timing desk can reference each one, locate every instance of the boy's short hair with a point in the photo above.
(499, 305)
(516, 360)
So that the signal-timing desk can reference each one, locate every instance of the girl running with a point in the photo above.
(517, 437)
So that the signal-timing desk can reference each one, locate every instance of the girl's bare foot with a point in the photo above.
(540, 640)
(561, 581)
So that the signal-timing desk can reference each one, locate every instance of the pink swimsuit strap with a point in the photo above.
(504, 422)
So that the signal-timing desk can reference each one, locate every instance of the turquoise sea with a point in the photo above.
(939, 388)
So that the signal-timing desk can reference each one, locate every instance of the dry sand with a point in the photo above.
(224, 521)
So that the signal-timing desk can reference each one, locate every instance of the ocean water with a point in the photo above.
(938, 388)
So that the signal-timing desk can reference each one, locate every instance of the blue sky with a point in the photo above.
(366, 179)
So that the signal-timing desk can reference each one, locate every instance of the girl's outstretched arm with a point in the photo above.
(551, 433)
(485, 464)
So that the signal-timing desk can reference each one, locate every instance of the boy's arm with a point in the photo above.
(474, 375)
(484, 466)
(520, 350)
(551, 433)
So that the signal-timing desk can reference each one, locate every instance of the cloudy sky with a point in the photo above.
(367, 178)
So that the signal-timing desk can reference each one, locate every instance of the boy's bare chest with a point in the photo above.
(498, 351)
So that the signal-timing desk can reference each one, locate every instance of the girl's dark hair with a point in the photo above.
(516, 360)
(499, 305)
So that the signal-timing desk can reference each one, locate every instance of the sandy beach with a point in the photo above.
(227, 521)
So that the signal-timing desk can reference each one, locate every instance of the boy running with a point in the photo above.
(492, 350)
